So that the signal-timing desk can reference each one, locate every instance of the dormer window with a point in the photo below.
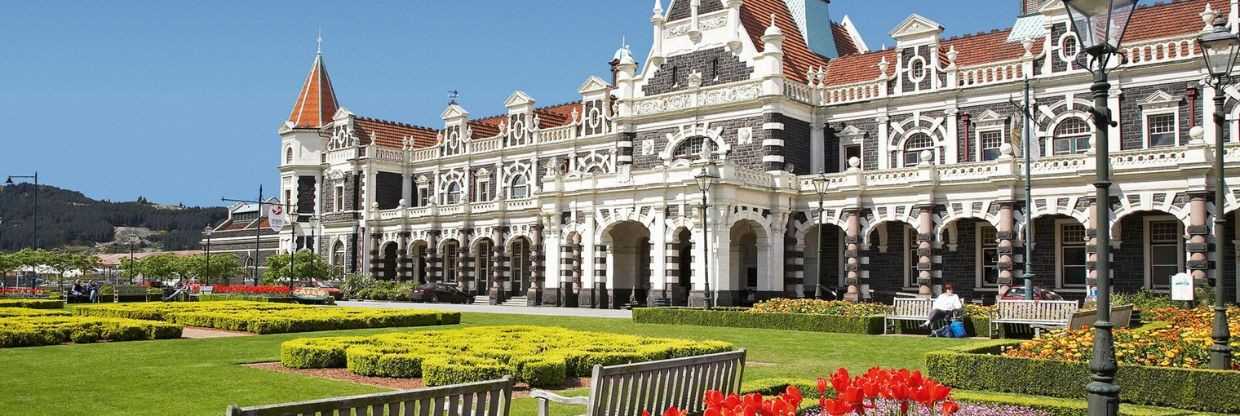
(917, 68)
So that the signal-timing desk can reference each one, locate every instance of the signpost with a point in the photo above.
(1182, 287)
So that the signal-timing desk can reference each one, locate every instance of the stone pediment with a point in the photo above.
(916, 25)
(454, 111)
(1159, 98)
(593, 84)
(518, 98)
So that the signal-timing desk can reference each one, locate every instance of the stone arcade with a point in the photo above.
(593, 203)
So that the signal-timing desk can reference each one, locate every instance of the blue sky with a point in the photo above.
(179, 101)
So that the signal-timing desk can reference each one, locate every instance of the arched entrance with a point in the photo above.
(748, 270)
(628, 263)
(821, 282)
(518, 266)
(893, 260)
(484, 250)
(451, 261)
(417, 251)
(684, 267)
(390, 255)
(1060, 256)
(1152, 250)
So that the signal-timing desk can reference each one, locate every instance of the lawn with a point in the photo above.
(202, 377)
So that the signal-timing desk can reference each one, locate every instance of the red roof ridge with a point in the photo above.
(395, 123)
(316, 102)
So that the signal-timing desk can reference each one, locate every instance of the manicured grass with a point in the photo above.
(202, 377)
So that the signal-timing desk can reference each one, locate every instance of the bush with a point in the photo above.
(271, 318)
(241, 297)
(25, 331)
(13, 312)
(819, 307)
(539, 356)
(32, 303)
(740, 319)
(980, 367)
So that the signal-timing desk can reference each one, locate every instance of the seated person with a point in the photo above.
(946, 303)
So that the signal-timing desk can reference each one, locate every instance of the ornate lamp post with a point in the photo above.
(704, 180)
(1099, 26)
(207, 231)
(1219, 47)
(35, 212)
(820, 185)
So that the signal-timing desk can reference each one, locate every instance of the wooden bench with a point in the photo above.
(1121, 316)
(628, 389)
(907, 309)
(1038, 314)
(487, 398)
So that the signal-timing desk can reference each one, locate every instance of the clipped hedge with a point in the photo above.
(271, 318)
(980, 367)
(738, 318)
(26, 312)
(32, 303)
(540, 356)
(26, 331)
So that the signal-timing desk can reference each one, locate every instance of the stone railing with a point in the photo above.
(489, 144)
(976, 171)
(991, 73)
(891, 176)
(1148, 158)
(800, 92)
(1161, 50)
(558, 134)
(697, 97)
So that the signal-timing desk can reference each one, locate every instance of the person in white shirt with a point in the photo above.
(946, 303)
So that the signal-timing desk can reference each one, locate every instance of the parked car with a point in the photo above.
(330, 288)
(1018, 293)
(439, 292)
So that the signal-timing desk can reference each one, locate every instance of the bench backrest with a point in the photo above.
(628, 389)
(1036, 310)
(1121, 316)
(911, 306)
(487, 398)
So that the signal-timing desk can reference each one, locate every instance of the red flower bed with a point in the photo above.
(20, 291)
(272, 290)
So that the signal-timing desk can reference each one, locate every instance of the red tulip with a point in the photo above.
(950, 408)
(822, 387)
(837, 407)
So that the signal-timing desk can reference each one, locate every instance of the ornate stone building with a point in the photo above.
(594, 202)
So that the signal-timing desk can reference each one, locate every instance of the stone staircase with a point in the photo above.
(512, 301)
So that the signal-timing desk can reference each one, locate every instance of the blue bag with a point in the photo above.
(958, 331)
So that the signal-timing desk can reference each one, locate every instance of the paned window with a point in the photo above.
(1072, 255)
(988, 255)
(1164, 251)
(1071, 136)
(1161, 129)
(914, 145)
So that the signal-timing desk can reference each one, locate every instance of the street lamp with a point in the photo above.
(1099, 26)
(704, 179)
(207, 231)
(133, 245)
(292, 245)
(820, 185)
(1219, 49)
(35, 211)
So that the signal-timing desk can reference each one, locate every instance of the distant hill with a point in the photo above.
(69, 219)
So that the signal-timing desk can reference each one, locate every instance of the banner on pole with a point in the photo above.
(275, 217)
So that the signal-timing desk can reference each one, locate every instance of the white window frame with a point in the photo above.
(1147, 248)
(338, 199)
(980, 255)
(482, 262)
(981, 143)
(910, 256)
(512, 186)
(484, 190)
(989, 121)
(1060, 48)
(1145, 125)
(1059, 261)
(451, 253)
(424, 195)
(934, 149)
(1054, 136)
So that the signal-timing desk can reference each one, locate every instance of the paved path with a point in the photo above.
(516, 310)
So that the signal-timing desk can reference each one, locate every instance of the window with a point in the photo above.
(519, 189)
(449, 261)
(714, 68)
(914, 145)
(1071, 136)
(520, 262)
(675, 76)
(689, 148)
(1164, 251)
(911, 258)
(452, 195)
(1072, 270)
(288, 156)
(850, 152)
(288, 201)
(917, 68)
(484, 190)
(338, 257)
(424, 196)
(483, 263)
(988, 255)
(1161, 129)
(338, 198)
(990, 142)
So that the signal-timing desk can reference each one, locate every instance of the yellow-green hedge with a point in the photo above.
(32, 303)
(271, 318)
(25, 331)
(27, 312)
(540, 356)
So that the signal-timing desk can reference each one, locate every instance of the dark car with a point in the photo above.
(439, 292)
(1018, 293)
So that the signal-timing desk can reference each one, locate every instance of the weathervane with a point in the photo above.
(452, 96)
(318, 42)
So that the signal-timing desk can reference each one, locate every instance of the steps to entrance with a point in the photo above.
(481, 300)
(515, 301)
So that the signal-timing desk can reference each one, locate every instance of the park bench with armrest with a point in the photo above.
(628, 389)
(1037, 314)
(486, 398)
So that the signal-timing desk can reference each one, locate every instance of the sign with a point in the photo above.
(275, 217)
(1182, 287)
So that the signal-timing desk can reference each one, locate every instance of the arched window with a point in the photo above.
(520, 188)
(914, 145)
(288, 156)
(453, 194)
(689, 148)
(338, 257)
(1071, 136)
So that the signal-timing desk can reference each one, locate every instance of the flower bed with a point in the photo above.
(25, 331)
(540, 356)
(266, 290)
(819, 307)
(21, 292)
(32, 303)
(740, 318)
(271, 318)
(983, 367)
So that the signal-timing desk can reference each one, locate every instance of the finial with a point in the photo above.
(658, 7)
(772, 19)
(318, 43)
(452, 96)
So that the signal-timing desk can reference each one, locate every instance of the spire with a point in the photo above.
(316, 103)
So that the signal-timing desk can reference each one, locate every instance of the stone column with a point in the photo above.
(573, 283)
(496, 291)
(405, 264)
(599, 299)
(533, 296)
(671, 273)
(773, 144)
(852, 254)
(1006, 234)
(464, 263)
(624, 148)
(565, 291)
(794, 267)
(376, 263)
(925, 250)
(1198, 246)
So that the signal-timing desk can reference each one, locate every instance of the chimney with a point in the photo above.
(1028, 7)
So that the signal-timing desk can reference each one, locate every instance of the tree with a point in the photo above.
(8, 263)
(306, 265)
(85, 262)
(131, 269)
(59, 261)
(218, 266)
(159, 266)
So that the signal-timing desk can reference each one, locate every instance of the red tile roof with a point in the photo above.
(551, 116)
(1168, 19)
(844, 44)
(798, 58)
(392, 133)
(316, 103)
